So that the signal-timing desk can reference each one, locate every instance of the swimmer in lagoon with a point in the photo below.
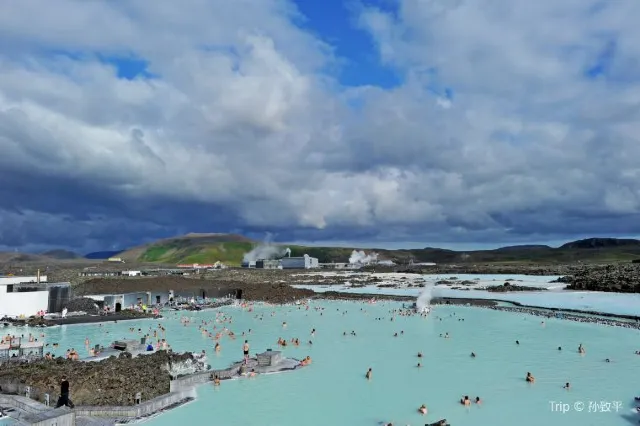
(473, 354)
(478, 401)
(368, 375)
(465, 401)
(566, 386)
(530, 378)
(423, 409)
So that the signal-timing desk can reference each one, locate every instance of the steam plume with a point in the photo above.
(423, 304)
(266, 250)
(362, 258)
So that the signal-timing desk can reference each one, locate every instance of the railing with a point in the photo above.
(135, 411)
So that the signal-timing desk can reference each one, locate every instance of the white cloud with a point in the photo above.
(244, 116)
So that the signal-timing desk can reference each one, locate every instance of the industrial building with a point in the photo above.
(156, 272)
(26, 296)
(268, 264)
(340, 265)
(303, 262)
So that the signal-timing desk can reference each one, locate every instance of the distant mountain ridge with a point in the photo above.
(230, 248)
(590, 243)
(60, 254)
(96, 255)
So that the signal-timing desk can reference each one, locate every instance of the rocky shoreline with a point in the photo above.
(623, 278)
(113, 381)
(509, 288)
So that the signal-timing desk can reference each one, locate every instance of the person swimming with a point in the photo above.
(567, 386)
(478, 401)
(465, 401)
(530, 378)
(473, 354)
(581, 349)
(369, 373)
(423, 409)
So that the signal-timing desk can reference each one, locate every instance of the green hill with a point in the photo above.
(230, 248)
(192, 248)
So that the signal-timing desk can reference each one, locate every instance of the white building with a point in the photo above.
(304, 262)
(4, 280)
(118, 302)
(18, 298)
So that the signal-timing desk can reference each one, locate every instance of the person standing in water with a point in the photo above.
(368, 375)
(245, 349)
(64, 394)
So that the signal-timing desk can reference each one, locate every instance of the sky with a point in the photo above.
(366, 122)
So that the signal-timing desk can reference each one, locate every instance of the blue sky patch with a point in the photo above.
(335, 22)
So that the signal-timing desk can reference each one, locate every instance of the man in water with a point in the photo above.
(64, 394)
(245, 349)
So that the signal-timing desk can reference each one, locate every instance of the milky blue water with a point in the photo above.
(556, 297)
(334, 391)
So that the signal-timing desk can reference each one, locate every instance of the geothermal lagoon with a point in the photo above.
(554, 297)
(333, 390)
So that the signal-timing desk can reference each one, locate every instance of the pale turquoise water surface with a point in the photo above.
(333, 390)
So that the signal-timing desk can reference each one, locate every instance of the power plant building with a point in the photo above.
(268, 264)
(303, 262)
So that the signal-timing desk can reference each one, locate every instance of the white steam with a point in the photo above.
(266, 251)
(362, 258)
(423, 304)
